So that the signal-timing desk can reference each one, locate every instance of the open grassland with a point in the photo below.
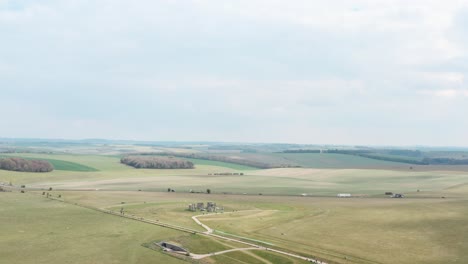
(255, 257)
(422, 228)
(321, 161)
(355, 230)
(112, 175)
(37, 230)
(360, 230)
(221, 164)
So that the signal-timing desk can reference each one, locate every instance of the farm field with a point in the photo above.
(111, 175)
(285, 208)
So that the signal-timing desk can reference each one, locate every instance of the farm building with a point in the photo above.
(343, 195)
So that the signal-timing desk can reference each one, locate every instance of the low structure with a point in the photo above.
(192, 207)
(211, 207)
(397, 195)
(172, 247)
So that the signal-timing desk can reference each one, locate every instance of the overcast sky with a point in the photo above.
(374, 72)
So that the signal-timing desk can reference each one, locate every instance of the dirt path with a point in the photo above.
(208, 229)
(253, 246)
(200, 256)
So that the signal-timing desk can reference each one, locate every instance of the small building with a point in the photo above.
(173, 247)
(343, 195)
(397, 195)
(200, 206)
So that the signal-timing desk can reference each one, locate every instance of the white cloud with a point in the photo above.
(447, 93)
(355, 68)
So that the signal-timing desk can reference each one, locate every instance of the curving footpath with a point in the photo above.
(200, 256)
(208, 229)
(209, 232)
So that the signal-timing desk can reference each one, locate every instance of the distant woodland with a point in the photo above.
(156, 162)
(404, 156)
(214, 157)
(19, 164)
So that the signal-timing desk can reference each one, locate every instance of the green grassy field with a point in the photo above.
(355, 230)
(285, 181)
(221, 164)
(321, 161)
(422, 228)
(38, 230)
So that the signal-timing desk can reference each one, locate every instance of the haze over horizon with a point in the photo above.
(321, 72)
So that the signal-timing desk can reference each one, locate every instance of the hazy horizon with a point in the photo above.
(383, 73)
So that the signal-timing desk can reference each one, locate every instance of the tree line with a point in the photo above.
(239, 161)
(156, 162)
(19, 164)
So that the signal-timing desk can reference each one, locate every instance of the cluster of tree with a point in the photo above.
(405, 152)
(395, 159)
(372, 154)
(445, 161)
(302, 151)
(19, 164)
(222, 158)
(348, 151)
(156, 162)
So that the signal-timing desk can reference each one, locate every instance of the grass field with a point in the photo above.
(37, 230)
(321, 161)
(221, 164)
(285, 181)
(422, 228)
(362, 230)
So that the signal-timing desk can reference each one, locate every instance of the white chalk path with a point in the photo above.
(200, 256)
(209, 231)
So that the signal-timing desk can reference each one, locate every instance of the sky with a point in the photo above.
(354, 72)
